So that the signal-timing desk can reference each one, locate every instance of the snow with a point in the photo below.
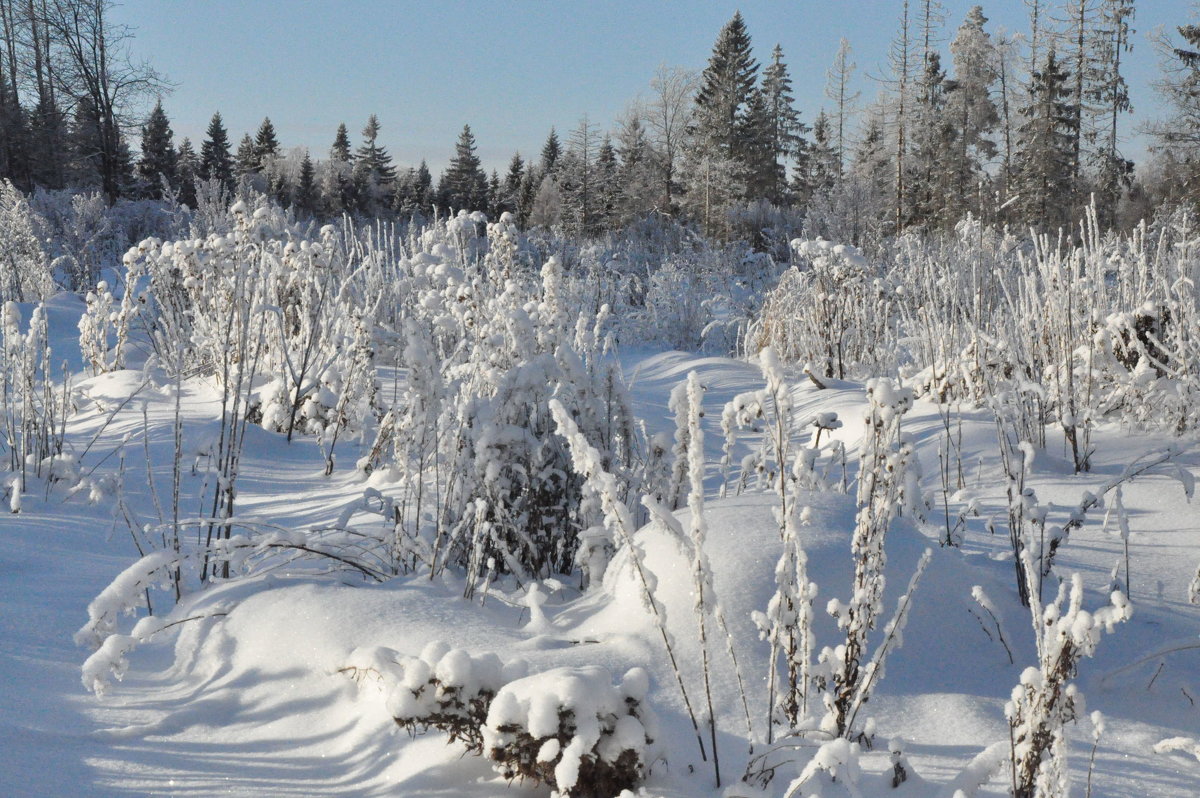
(258, 693)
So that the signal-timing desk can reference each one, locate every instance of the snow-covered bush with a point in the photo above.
(446, 689)
(574, 730)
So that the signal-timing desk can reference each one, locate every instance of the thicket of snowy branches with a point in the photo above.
(470, 367)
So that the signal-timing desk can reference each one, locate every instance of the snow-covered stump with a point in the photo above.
(574, 730)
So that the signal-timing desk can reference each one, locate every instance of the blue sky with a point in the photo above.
(510, 69)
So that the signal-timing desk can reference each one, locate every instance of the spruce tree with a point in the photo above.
(578, 180)
(403, 198)
(511, 192)
(159, 160)
(608, 186)
(971, 111)
(215, 161)
(786, 130)
(930, 137)
(530, 183)
(189, 170)
(872, 168)
(338, 182)
(265, 143)
(495, 195)
(1044, 158)
(84, 147)
(423, 187)
(48, 151)
(638, 179)
(464, 184)
(246, 160)
(340, 151)
(374, 174)
(725, 89)
(718, 155)
(551, 151)
(820, 168)
(307, 196)
(759, 158)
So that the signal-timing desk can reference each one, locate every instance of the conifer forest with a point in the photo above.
(729, 447)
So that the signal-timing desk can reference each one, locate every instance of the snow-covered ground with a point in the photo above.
(257, 700)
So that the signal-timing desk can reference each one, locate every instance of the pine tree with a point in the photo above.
(577, 180)
(159, 160)
(246, 160)
(189, 171)
(1113, 172)
(1044, 178)
(215, 161)
(464, 184)
(1177, 137)
(837, 89)
(307, 197)
(374, 174)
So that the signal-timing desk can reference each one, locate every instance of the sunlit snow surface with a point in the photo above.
(256, 703)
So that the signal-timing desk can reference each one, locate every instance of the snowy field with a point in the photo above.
(280, 691)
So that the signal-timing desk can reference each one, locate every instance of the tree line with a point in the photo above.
(1021, 129)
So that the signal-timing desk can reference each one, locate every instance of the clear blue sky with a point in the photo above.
(510, 69)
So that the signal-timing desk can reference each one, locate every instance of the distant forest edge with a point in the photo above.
(1018, 129)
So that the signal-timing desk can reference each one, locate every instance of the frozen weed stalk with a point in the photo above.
(1046, 700)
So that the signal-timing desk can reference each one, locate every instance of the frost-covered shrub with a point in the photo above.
(24, 265)
(574, 730)
(33, 406)
(1072, 333)
(94, 329)
(831, 311)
